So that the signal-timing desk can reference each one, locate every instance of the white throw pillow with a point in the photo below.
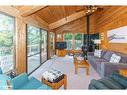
(115, 58)
(97, 53)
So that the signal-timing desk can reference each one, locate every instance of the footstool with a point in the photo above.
(54, 78)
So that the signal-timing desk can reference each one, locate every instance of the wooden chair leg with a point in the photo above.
(65, 82)
(76, 69)
(87, 71)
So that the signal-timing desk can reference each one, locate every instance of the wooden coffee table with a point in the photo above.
(56, 85)
(81, 64)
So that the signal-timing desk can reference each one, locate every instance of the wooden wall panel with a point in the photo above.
(108, 19)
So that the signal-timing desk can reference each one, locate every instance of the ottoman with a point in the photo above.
(54, 78)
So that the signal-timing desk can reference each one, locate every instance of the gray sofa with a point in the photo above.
(102, 65)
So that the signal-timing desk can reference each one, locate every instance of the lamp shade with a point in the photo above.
(97, 41)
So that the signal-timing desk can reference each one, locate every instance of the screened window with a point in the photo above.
(6, 43)
(78, 41)
(68, 39)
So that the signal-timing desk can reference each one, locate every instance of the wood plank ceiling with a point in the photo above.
(52, 14)
(57, 16)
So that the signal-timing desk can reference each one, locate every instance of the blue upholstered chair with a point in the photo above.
(20, 82)
(23, 82)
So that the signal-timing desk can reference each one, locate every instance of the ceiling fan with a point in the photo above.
(88, 10)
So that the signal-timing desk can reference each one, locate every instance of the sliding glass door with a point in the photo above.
(43, 46)
(7, 54)
(33, 48)
(36, 47)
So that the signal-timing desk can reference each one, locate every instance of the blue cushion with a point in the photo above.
(20, 80)
(34, 84)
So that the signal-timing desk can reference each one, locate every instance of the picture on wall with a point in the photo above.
(118, 35)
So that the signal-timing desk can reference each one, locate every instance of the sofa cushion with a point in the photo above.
(108, 55)
(103, 53)
(18, 81)
(99, 60)
(31, 84)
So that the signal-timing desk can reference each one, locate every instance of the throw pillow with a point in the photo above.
(97, 53)
(115, 58)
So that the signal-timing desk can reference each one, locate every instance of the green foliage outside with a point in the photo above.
(33, 35)
(78, 36)
(67, 36)
(6, 34)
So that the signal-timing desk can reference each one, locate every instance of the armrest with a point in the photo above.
(119, 78)
(19, 80)
(90, 54)
(107, 68)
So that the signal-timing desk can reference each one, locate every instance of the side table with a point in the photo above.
(56, 85)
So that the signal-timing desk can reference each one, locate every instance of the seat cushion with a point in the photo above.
(99, 60)
(108, 55)
(31, 84)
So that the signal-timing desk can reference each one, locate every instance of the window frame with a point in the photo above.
(40, 29)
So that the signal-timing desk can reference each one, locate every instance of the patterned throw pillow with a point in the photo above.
(115, 58)
(97, 53)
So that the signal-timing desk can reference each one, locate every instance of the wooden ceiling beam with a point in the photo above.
(29, 10)
(66, 20)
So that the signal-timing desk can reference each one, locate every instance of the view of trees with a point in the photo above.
(78, 40)
(68, 39)
(6, 34)
(33, 40)
(6, 42)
